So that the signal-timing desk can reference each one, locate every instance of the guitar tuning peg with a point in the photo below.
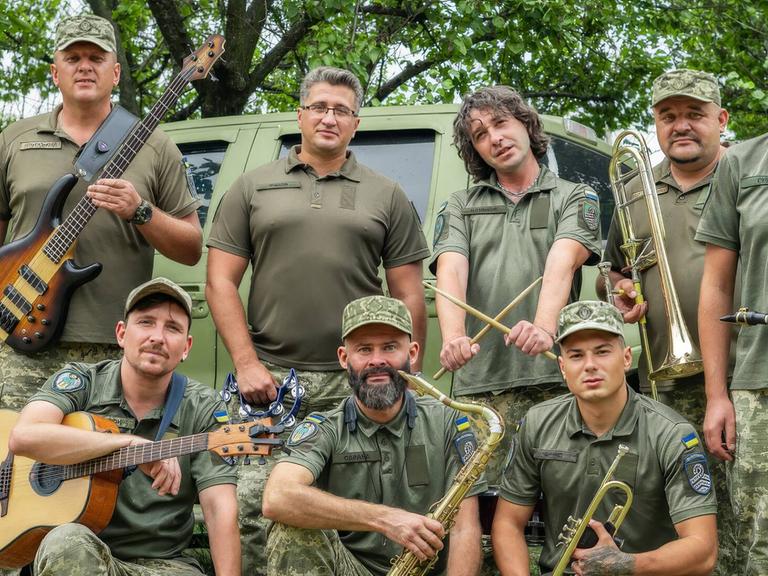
(213, 77)
(261, 461)
(247, 461)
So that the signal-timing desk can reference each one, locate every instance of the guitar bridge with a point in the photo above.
(6, 475)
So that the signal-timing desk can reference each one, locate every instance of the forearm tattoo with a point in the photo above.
(608, 561)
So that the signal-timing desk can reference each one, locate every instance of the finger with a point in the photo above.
(602, 534)
(176, 475)
(730, 435)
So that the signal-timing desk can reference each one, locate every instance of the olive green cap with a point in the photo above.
(159, 286)
(692, 83)
(375, 310)
(589, 315)
(86, 28)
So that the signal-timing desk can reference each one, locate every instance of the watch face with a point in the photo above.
(143, 213)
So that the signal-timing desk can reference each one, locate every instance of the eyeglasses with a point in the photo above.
(322, 110)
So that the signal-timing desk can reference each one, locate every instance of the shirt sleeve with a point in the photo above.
(231, 223)
(67, 389)
(719, 224)
(456, 445)
(451, 234)
(612, 252)
(311, 445)
(521, 477)
(580, 221)
(172, 190)
(208, 468)
(405, 242)
(5, 196)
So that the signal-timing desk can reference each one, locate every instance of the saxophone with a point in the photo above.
(444, 511)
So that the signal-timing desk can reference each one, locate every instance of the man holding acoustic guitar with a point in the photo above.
(153, 519)
(148, 207)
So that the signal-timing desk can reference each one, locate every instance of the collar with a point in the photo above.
(546, 181)
(49, 122)
(350, 170)
(396, 426)
(623, 427)
(112, 393)
(662, 173)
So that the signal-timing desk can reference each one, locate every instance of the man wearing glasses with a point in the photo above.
(315, 227)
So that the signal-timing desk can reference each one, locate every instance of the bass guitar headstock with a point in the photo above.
(202, 60)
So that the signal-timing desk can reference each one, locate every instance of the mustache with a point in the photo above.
(685, 136)
(391, 372)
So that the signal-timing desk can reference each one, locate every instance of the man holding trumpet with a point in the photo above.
(563, 450)
(517, 222)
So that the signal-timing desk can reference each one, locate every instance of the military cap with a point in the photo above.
(589, 315)
(692, 83)
(159, 286)
(86, 28)
(375, 310)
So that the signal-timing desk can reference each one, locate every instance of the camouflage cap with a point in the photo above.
(375, 310)
(589, 315)
(692, 83)
(86, 28)
(159, 286)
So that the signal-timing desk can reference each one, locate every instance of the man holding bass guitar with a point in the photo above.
(150, 207)
(153, 518)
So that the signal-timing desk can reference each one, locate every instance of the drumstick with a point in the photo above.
(479, 315)
(498, 317)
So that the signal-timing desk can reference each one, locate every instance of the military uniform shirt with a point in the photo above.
(144, 524)
(315, 244)
(507, 246)
(734, 218)
(681, 212)
(389, 464)
(556, 454)
(34, 154)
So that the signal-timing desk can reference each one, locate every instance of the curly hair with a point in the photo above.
(334, 77)
(504, 101)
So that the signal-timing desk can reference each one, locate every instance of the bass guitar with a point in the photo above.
(37, 497)
(37, 272)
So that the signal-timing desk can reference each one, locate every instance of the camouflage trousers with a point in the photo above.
(323, 391)
(73, 550)
(299, 552)
(511, 405)
(749, 479)
(21, 376)
(689, 400)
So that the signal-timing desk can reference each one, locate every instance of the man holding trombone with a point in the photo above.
(564, 448)
(689, 120)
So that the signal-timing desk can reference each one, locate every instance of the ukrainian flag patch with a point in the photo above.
(690, 441)
(316, 418)
(462, 424)
(221, 416)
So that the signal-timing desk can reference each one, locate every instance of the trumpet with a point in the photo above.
(683, 357)
(574, 534)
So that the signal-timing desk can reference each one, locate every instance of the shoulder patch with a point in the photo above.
(221, 416)
(590, 194)
(462, 423)
(316, 418)
(690, 441)
(589, 215)
(302, 433)
(466, 445)
(68, 381)
(441, 225)
(697, 472)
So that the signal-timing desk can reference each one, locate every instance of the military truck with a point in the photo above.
(410, 144)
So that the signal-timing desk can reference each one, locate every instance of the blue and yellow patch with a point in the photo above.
(690, 441)
(221, 416)
(316, 418)
(302, 433)
(68, 382)
(462, 424)
(697, 473)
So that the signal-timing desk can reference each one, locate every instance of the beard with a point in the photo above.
(379, 396)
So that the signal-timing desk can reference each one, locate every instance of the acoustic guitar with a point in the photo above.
(37, 497)
(37, 272)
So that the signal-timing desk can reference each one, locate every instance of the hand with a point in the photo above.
(457, 351)
(626, 302)
(165, 473)
(117, 196)
(529, 338)
(719, 421)
(421, 535)
(604, 559)
(256, 384)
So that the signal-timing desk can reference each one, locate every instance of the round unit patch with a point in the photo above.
(68, 382)
(697, 473)
(303, 431)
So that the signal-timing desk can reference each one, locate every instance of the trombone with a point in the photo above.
(683, 357)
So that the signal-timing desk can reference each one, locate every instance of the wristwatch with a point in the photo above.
(143, 214)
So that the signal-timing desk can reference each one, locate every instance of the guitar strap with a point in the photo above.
(105, 142)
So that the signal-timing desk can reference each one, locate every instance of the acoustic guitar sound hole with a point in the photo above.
(45, 479)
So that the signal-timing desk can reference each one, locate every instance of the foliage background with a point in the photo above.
(593, 61)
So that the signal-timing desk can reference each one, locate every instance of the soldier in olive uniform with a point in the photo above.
(153, 519)
(150, 208)
(566, 445)
(353, 493)
(517, 222)
(689, 121)
(736, 424)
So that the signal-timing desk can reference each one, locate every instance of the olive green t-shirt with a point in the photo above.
(681, 212)
(734, 218)
(144, 524)
(556, 454)
(34, 154)
(507, 246)
(315, 244)
(394, 464)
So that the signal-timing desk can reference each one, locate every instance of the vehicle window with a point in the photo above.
(577, 163)
(203, 160)
(405, 156)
